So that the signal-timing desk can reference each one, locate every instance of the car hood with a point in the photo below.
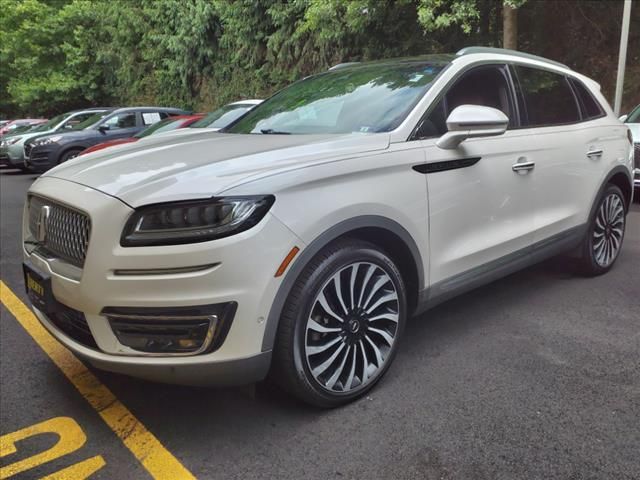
(27, 135)
(67, 135)
(202, 164)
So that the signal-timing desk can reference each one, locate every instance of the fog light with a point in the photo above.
(176, 331)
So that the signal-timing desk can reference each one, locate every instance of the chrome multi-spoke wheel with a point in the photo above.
(341, 324)
(603, 241)
(351, 327)
(608, 230)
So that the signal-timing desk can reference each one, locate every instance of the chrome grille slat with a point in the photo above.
(67, 230)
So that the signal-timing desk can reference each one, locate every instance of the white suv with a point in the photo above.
(301, 238)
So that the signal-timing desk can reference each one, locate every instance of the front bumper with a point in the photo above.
(238, 269)
(41, 158)
(196, 371)
(10, 157)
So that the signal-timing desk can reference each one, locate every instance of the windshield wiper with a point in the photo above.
(271, 131)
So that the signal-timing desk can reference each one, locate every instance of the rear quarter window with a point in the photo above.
(589, 105)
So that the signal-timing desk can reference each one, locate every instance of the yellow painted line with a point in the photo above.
(155, 458)
(71, 439)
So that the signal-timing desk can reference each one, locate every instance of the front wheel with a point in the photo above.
(603, 240)
(341, 324)
(68, 155)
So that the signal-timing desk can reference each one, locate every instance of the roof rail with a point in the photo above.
(506, 51)
(343, 65)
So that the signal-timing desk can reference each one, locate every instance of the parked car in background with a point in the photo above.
(167, 125)
(12, 146)
(632, 120)
(226, 115)
(12, 125)
(44, 152)
(3, 123)
(303, 237)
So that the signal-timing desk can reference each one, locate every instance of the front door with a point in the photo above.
(121, 125)
(481, 209)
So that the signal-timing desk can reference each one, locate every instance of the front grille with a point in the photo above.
(66, 231)
(636, 155)
(74, 324)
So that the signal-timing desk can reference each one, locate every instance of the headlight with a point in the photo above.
(194, 221)
(10, 141)
(48, 140)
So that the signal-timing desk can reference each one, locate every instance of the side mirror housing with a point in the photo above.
(103, 128)
(472, 121)
(623, 118)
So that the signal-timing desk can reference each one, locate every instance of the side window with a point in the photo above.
(149, 118)
(548, 97)
(634, 116)
(122, 120)
(487, 86)
(590, 106)
(78, 119)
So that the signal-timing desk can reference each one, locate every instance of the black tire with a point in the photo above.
(602, 228)
(69, 154)
(369, 267)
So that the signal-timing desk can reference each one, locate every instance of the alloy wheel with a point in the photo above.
(352, 327)
(608, 230)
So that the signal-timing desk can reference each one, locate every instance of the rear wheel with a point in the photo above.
(603, 241)
(341, 324)
(69, 154)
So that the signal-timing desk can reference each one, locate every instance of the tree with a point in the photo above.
(60, 54)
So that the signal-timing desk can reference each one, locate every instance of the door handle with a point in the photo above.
(595, 153)
(523, 166)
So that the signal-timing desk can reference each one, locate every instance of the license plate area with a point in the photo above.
(39, 290)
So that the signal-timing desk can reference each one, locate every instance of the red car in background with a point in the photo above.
(9, 127)
(166, 125)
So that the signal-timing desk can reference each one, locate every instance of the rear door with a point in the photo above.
(481, 211)
(567, 153)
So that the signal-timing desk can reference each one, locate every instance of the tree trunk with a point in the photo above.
(510, 27)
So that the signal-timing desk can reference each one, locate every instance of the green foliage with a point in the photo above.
(61, 54)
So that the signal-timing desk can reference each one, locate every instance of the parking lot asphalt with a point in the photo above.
(535, 376)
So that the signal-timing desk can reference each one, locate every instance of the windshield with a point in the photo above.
(222, 116)
(90, 121)
(368, 98)
(634, 116)
(51, 123)
(13, 130)
(166, 125)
